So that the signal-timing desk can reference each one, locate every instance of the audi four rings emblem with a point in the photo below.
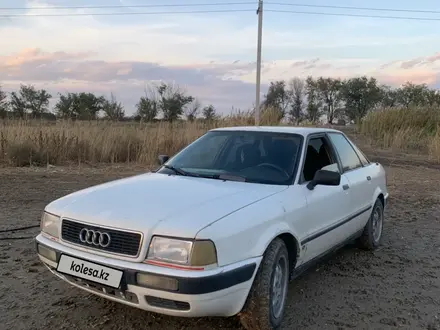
(94, 237)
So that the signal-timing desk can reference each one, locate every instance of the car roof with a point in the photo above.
(304, 131)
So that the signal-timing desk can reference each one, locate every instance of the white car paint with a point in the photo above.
(156, 203)
(241, 218)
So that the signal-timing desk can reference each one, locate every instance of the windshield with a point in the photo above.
(258, 157)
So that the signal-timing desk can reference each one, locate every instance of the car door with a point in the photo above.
(326, 205)
(369, 170)
(359, 180)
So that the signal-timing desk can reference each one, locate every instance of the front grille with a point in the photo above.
(125, 243)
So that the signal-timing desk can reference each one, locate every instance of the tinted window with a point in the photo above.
(317, 157)
(261, 157)
(238, 143)
(203, 152)
(316, 143)
(348, 156)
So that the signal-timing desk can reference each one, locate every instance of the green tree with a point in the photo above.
(314, 104)
(329, 91)
(277, 98)
(148, 106)
(64, 108)
(30, 100)
(113, 109)
(412, 94)
(432, 98)
(389, 97)
(147, 109)
(360, 95)
(209, 112)
(4, 105)
(81, 106)
(297, 93)
(172, 101)
(193, 110)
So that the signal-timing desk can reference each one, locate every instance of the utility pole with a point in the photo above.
(258, 78)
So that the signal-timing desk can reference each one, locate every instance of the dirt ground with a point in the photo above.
(397, 286)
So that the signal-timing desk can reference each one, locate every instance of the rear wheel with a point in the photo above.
(372, 235)
(264, 307)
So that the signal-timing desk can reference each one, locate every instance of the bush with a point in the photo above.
(39, 142)
(416, 129)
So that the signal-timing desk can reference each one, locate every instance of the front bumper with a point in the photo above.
(386, 199)
(219, 292)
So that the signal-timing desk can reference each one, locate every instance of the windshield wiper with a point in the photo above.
(230, 177)
(223, 177)
(177, 170)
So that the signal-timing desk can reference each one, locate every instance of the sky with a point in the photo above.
(211, 56)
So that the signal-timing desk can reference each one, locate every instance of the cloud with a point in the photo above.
(224, 84)
(305, 63)
(416, 77)
(36, 55)
(420, 61)
(212, 56)
(38, 65)
(75, 72)
(419, 70)
(433, 58)
(186, 38)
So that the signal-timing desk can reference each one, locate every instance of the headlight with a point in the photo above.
(183, 252)
(50, 224)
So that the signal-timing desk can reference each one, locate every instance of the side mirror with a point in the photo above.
(326, 178)
(162, 159)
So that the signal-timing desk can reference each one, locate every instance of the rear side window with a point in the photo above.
(349, 157)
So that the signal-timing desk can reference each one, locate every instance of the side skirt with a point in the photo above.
(304, 267)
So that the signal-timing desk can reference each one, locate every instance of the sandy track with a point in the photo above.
(397, 286)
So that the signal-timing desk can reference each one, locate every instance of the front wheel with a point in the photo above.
(372, 234)
(264, 307)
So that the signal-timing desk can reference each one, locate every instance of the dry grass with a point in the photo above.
(24, 143)
(39, 143)
(414, 130)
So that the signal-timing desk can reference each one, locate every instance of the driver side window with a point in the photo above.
(318, 156)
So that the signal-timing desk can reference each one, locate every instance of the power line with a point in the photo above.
(130, 14)
(217, 11)
(354, 8)
(354, 15)
(224, 4)
(133, 6)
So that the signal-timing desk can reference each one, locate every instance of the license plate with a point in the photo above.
(90, 271)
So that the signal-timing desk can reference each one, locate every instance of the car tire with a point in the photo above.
(264, 307)
(372, 235)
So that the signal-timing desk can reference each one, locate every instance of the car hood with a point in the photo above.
(160, 204)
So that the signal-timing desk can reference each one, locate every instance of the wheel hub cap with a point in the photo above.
(377, 224)
(279, 287)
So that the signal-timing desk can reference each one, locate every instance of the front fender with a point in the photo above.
(271, 233)
(378, 191)
(247, 232)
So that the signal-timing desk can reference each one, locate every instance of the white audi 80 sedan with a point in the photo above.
(220, 228)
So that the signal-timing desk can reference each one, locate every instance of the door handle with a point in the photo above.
(368, 178)
(345, 186)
